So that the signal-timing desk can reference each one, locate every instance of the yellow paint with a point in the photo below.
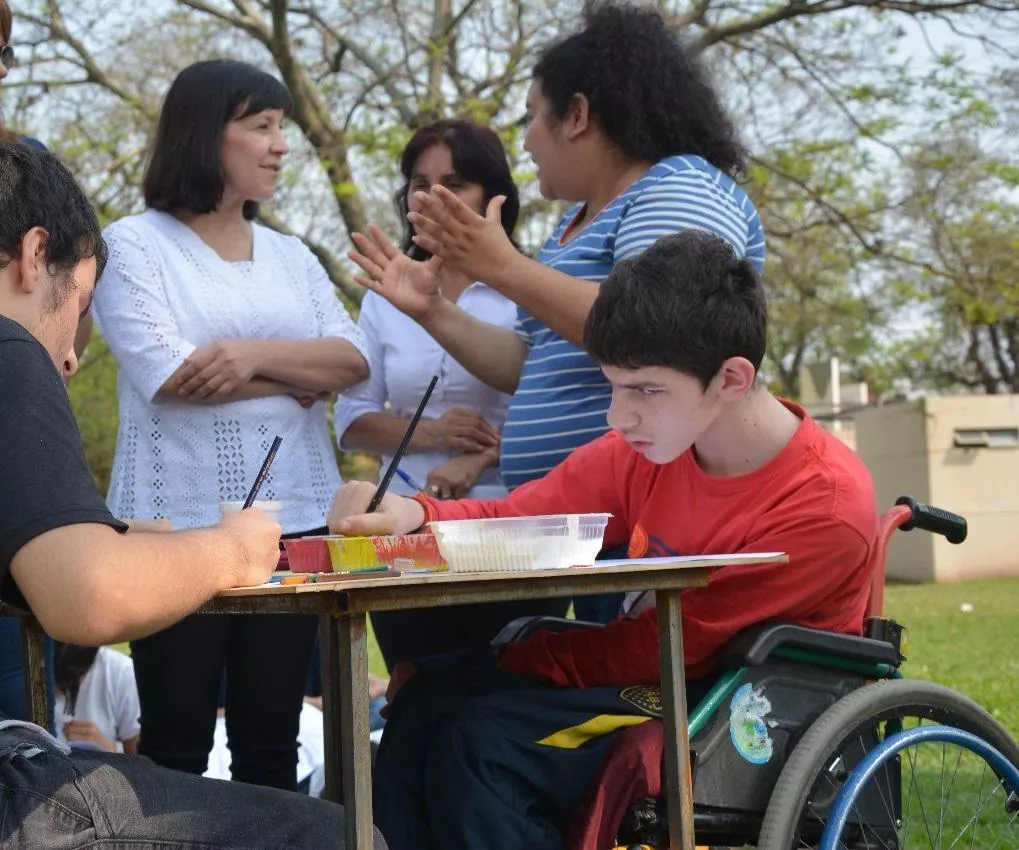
(596, 727)
(348, 553)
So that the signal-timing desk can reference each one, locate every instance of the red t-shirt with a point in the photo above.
(814, 500)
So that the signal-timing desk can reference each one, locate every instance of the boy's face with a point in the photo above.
(660, 412)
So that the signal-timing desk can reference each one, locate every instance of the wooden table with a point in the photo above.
(343, 605)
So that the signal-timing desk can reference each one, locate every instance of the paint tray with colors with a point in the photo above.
(307, 555)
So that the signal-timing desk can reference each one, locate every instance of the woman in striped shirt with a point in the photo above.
(624, 123)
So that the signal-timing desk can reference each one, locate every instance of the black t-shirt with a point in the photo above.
(44, 479)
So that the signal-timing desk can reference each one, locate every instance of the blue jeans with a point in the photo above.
(104, 800)
(12, 674)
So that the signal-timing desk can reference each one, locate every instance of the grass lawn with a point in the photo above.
(975, 652)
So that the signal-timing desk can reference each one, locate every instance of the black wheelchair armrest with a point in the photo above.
(523, 627)
(753, 646)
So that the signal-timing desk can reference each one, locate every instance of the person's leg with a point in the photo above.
(506, 769)
(408, 635)
(421, 708)
(102, 800)
(179, 671)
(481, 623)
(266, 673)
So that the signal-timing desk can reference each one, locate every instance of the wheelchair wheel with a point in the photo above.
(941, 786)
(840, 738)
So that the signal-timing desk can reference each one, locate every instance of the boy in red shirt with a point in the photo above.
(702, 459)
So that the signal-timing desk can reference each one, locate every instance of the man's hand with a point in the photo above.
(459, 430)
(454, 478)
(395, 515)
(257, 542)
(86, 730)
(215, 371)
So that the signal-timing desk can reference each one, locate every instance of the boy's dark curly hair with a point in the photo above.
(650, 95)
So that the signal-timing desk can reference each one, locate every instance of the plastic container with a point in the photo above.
(272, 508)
(520, 543)
(415, 551)
(307, 555)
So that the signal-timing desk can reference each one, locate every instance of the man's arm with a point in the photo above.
(90, 585)
(824, 586)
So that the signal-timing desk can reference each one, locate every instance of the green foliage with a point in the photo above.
(93, 392)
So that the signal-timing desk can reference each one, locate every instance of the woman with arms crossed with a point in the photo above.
(226, 334)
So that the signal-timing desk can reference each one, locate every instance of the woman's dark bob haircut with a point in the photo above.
(648, 93)
(185, 171)
(478, 157)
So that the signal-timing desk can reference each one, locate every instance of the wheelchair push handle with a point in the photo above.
(937, 520)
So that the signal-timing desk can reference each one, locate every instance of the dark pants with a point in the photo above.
(408, 635)
(471, 759)
(12, 672)
(180, 671)
(103, 800)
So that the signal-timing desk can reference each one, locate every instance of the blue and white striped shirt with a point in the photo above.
(563, 398)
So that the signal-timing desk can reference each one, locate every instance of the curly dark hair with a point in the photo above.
(652, 98)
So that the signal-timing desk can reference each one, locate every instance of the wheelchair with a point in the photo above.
(795, 711)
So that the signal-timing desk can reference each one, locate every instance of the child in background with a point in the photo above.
(96, 699)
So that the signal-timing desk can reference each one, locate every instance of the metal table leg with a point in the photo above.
(34, 662)
(678, 776)
(349, 694)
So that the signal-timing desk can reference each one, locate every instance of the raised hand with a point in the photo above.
(412, 286)
(449, 229)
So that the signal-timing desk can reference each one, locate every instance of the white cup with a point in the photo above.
(272, 509)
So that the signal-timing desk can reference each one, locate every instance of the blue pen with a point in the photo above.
(406, 479)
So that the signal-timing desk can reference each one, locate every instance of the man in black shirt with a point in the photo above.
(64, 556)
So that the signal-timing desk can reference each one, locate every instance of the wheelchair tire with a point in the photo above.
(810, 779)
(981, 810)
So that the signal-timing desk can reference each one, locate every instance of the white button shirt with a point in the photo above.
(403, 357)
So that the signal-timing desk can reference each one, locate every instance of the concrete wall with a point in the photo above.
(912, 449)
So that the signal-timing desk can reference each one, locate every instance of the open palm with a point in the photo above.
(412, 286)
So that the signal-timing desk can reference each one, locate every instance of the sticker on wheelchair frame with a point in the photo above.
(747, 727)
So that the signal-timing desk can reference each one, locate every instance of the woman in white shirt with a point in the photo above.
(454, 452)
(226, 334)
